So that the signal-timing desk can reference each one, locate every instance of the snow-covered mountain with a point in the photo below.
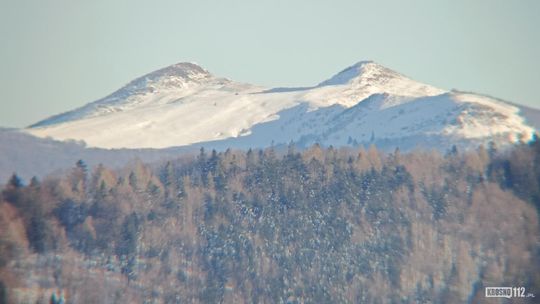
(183, 105)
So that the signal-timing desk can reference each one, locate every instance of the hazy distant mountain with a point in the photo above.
(30, 156)
(185, 105)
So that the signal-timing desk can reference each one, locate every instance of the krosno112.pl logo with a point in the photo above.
(507, 292)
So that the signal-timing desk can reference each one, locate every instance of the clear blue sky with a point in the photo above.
(56, 55)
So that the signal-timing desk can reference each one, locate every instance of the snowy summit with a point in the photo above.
(183, 105)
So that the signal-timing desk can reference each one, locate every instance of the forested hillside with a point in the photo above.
(322, 225)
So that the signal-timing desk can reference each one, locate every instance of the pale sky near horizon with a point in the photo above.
(57, 55)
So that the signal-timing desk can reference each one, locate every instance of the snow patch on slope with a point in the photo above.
(481, 117)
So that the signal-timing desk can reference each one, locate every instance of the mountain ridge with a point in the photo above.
(184, 104)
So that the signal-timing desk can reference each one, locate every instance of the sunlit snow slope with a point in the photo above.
(184, 105)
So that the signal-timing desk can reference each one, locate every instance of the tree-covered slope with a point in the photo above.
(320, 226)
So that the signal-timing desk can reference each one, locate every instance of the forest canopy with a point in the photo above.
(321, 225)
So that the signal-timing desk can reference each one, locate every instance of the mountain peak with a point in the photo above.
(181, 69)
(362, 63)
(186, 71)
(173, 77)
(367, 77)
(361, 69)
(163, 85)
